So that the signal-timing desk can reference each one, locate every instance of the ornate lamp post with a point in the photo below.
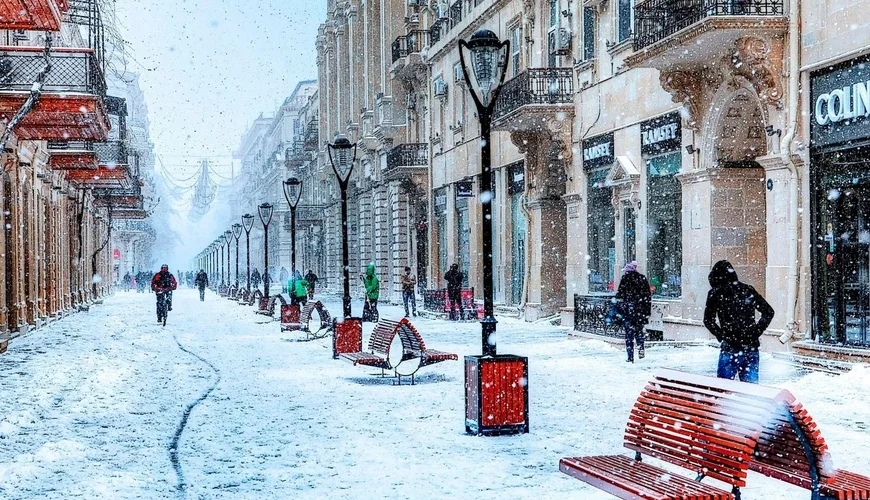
(219, 243)
(228, 237)
(342, 154)
(508, 374)
(293, 193)
(247, 224)
(237, 233)
(265, 211)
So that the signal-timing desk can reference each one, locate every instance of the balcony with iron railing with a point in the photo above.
(533, 96)
(297, 155)
(406, 159)
(72, 97)
(663, 29)
(446, 21)
(312, 133)
(412, 43)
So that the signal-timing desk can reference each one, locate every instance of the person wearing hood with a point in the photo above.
(373, 292)
(634, 303)
(297, 287)
(454, 279)
(730, 316)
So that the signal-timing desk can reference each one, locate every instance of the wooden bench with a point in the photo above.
(720, 429)
(304, 321)
(413, 348)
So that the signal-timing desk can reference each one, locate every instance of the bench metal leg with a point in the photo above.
(736, 492)
(638, 457)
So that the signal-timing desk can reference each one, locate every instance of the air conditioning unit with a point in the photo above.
(458, 76)
(441, 12)
(440, 88)
(562, 43)
(414, 3)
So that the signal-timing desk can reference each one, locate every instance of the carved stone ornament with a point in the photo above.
(686, 88)
(528, 15)
(755, 63)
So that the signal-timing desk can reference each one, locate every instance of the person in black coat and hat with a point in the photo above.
(730, 317)
(634, 302)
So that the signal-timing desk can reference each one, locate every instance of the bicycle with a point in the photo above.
(163, 306)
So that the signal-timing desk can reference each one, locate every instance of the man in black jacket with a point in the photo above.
(730, 317)
(201, 283)
(634, 303)
(454, 278)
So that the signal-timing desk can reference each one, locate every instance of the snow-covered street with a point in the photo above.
(91, 406)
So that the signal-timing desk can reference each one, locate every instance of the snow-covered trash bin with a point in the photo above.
(496, 395)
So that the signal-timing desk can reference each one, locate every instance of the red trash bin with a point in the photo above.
(346, 336)
(496, 395)
(290, 317)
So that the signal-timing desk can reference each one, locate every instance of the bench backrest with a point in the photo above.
(382, 337)
(707, 425)
(412, 341)
(780, 447)
(307, 309)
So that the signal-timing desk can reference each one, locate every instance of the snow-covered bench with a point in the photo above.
(719, 429)
(413, 349)
(302, 321)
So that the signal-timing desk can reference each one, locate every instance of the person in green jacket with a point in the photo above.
(373, 292)
(297, 287)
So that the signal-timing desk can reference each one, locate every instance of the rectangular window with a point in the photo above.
(601, 231)
(626, 19)
(463, 240)
(554, 12)
(588, 33)
(664, 225)
(516, 46)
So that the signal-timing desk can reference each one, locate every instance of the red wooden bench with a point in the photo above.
(413, 348)
(303, 322)
(720, 429)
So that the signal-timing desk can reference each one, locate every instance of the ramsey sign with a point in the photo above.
(841, 104)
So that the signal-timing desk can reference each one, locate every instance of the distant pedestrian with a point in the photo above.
(454, 279)
(297, 288)
(201, 283)
(409, 281)
(633, 303)
(730, 317)
(255, 278)
(125, 282)
(372, 294)
(311, 278)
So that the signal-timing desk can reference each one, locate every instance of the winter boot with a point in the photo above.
(641, 352)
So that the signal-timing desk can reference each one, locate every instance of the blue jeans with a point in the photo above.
(633, 331)
(741, 363)
(409, 296)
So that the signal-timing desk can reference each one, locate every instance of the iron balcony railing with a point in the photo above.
(408, 155)
(435, 31)
(297, 154)
(72, 70)
(655, 20)
(535, 86)
(412, 43)
(111, 153)
(311, 138)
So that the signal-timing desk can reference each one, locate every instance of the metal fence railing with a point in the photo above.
(408, 155)
(72, 70)
(655, 20)
(412, 43)
(591, 316)
(535, 86)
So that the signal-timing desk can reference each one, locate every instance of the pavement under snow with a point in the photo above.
(91, 406)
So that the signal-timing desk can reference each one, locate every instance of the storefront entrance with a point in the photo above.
(842, 258)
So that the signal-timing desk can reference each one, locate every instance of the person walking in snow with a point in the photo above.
(454, 279)
(409, 281)
(373, 292)
(125, 282)
(255, 278)
(297, 288)
(201, 283)
(633, 303)
(311, 278)
(730, 316)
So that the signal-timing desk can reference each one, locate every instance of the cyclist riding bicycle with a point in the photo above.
(163, 283)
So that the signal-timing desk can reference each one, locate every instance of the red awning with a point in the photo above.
(37, 15)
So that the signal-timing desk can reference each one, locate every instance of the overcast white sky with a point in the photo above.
(208, 68)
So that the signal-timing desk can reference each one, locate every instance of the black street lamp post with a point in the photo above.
(342, 154)
(228, 236)
(265, 211)
(220, 247)
(293, 193)
(488, 57)
(247, 224)
(237, 233)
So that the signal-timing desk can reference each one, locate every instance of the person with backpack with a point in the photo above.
(201, 283)
(454, 279)
(372, 293)
(633, 305)
(730, 316)
(297, 288)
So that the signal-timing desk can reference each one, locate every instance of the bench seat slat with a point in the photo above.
(626, 478)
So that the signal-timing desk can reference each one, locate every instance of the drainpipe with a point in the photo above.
(785, 148)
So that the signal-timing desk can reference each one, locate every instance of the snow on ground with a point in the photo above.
(90, 405)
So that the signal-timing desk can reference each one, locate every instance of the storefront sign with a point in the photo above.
(661, 135)
(598, 151)
(516, 178)
(465, 189)
(841, 104)
(440, 200)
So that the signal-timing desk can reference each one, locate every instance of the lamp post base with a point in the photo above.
(496, 395)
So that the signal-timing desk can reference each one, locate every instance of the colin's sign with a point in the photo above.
(841, 104)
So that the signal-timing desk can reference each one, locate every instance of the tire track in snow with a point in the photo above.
(173, 446)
